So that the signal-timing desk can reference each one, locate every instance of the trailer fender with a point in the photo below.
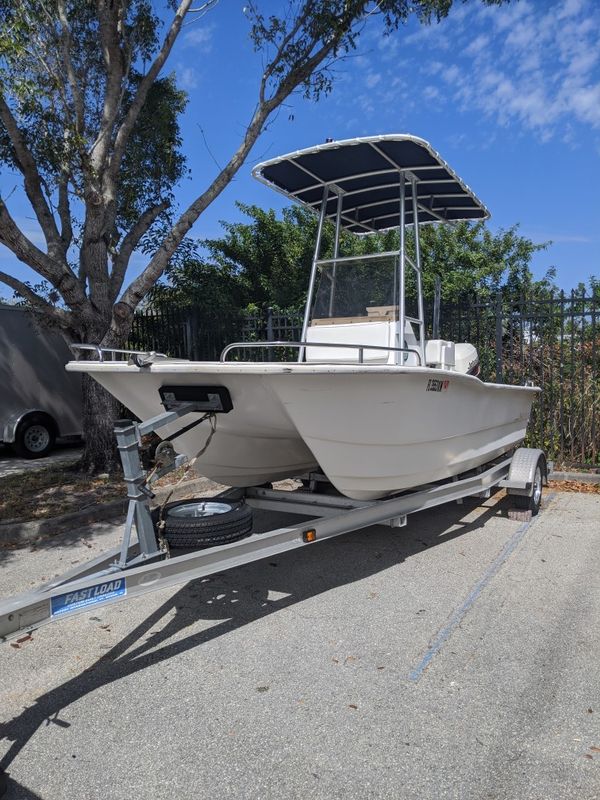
(9, 433)
(521, 475)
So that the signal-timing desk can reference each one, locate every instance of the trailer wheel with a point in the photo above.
(532, 502)
(35, 437)
(204, 522)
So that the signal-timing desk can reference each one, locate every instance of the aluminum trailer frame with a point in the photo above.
(146, 564)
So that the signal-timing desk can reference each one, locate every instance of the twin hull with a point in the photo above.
(373, 430)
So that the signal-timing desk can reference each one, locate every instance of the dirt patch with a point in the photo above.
(61, 489)
(574, 486)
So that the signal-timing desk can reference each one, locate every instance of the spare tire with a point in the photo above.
(204, 522)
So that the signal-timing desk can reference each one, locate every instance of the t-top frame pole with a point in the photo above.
(421, 310)
(401, 268)
(336, 250)
(313, 272)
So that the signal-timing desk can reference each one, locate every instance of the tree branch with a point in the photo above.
(24, 249)
(64, 212)
(57, 315)
(129, 243)
(301, 18)
(109, 16)
(144, 87)
(66, 43)
(140, 286)
(59, 275)
(33, 184)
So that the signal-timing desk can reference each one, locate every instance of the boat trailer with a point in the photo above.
(144, 563)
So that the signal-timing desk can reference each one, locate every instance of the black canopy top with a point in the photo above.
(366, 171)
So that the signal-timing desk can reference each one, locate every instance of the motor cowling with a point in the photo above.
(466, 359)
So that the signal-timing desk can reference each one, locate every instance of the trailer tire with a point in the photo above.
(533, 501)
(216, 522)
(35, 436)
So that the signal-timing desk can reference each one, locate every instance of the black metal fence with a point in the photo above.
(554, 342)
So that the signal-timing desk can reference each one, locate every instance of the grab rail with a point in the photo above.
(140, 358)
(360, 347)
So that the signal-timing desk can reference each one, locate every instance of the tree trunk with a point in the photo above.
(100, 410)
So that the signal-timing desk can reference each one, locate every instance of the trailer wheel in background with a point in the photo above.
(526, 478)
(204, 522)
(533, 501)
(35, 436)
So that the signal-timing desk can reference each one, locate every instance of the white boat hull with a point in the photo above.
(373, 430)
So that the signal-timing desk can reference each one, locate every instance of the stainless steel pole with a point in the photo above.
(401, 266)
(313, 272)
(336, 245)
(418, 270)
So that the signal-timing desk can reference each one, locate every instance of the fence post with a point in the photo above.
(499, 337)
(195, 342)
(270, 337)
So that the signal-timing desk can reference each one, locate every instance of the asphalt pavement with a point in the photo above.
(455, 658)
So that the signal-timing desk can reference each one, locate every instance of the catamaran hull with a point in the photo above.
(372, 430)
(405, 430)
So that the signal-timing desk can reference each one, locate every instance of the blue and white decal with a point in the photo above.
(91, 596)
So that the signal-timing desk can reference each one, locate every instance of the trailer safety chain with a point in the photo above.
(162, 542)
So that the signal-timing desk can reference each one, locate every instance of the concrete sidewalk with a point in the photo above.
(454, 658)
(10, 464)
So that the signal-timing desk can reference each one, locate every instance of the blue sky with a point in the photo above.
(509, 96)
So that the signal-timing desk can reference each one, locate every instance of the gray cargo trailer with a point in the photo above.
(39, 400)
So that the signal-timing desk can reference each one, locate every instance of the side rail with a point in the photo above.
(140, 358)
(302, 345)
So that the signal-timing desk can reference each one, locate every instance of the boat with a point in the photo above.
(363, 398)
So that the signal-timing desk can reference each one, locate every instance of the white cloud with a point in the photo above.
(527, 66)
(533, 64)
(506, 17)
(431, 93)
(451, 74)
(571, 8)
(200, 38)
(365, 103)
(187, 77)
(585, 103)
(478, 44)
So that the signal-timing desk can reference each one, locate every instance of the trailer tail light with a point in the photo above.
(309, 536)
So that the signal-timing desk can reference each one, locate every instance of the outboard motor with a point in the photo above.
(466, 359)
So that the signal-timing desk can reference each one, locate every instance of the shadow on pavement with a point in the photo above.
(17, 791)
(241, 596)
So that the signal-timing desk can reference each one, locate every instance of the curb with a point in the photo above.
(581, 477)
(17, 533)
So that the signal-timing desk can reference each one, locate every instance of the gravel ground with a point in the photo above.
(454, 658)
(11, 465)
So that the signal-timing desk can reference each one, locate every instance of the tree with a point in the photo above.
(475, 264)
(80, 96)
(266, 261)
